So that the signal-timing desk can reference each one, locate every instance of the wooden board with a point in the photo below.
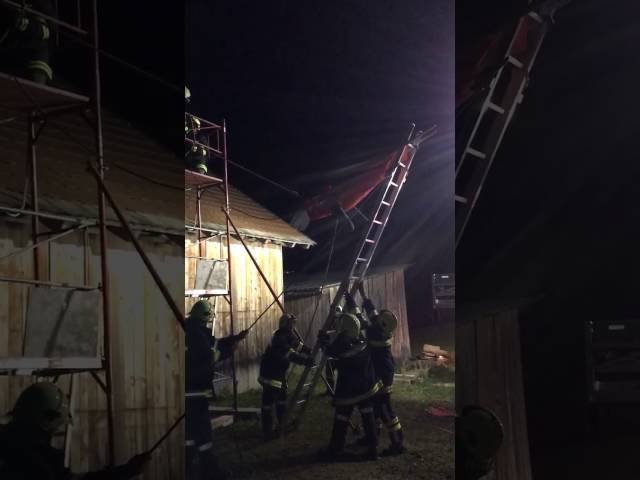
(62, 322)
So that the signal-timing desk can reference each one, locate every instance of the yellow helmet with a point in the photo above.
(386, 321)
(348, 325)
(287, 321)
(43, 404)
(201, 311)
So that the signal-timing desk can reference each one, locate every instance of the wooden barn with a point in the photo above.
(147, 343)
(384, 285)
(265, 235)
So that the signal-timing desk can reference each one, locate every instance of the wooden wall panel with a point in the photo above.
(250, 297)
(147, 347)
(491, 376)
(386, 290)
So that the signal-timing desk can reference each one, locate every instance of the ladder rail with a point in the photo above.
(465, 203)
(377, 223)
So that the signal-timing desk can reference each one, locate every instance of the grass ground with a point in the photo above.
(429, 440)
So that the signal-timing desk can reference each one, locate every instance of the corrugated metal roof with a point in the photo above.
(146, 182)
(65, 186)
(251, 218)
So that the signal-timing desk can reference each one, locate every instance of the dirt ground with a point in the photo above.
(429, 441)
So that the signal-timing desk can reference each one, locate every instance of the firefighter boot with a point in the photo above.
(267, 423)
(334, 452)
(369, 425)
(363, 441)
(397, 439)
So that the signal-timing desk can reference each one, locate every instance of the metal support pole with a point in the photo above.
(106, 308)
(226, 211)
(151, 269)
(35, 245)
(266, 281)
(199, 193)
(28, 281)
(35, 224)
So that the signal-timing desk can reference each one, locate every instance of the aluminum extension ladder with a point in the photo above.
(354, 277)
(504, 96)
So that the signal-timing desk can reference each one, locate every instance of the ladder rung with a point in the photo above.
(386, 203)
(394, 184)
(300, 402)
(368, 240)
(476, 153)
(515, 62)
(402, 164)
(377, 222)
(495, 108)
(361, 259)
(460, 199)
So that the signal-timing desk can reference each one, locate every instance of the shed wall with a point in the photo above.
(147, 345)
(386, 290)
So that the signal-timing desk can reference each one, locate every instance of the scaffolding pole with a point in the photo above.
(227, 213)
(104, 265)
(36, 122)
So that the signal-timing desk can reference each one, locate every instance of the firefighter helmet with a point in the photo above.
(348, 325)
(201, 310)
(42, 404)
(287, 321)
(386, 321)
(479, 434)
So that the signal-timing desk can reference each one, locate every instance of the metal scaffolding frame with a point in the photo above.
(201, 183)
(69, 103)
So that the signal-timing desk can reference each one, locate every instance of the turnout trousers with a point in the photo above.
(271, 397)
(201, 463)
(341, 425)
(384, 412)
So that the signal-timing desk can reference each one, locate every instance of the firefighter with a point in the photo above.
(479, 435)
(202, 351)
(41, 410)
(379, 335)
(196, 155)
(356, 385)
(285, 347)
(25, 42)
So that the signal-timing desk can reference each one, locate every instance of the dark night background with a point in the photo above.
(148, 35)
(309, 88)
(558, 216)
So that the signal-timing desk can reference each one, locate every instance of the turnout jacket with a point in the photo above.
(202, 351)
(380, 345)
(284, 348)
(26, 454)
(357, 379)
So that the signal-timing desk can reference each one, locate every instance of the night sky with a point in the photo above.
(309, 88)
(558, 214)
(150, 36)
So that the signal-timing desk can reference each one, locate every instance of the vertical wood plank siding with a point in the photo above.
(147, 343)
